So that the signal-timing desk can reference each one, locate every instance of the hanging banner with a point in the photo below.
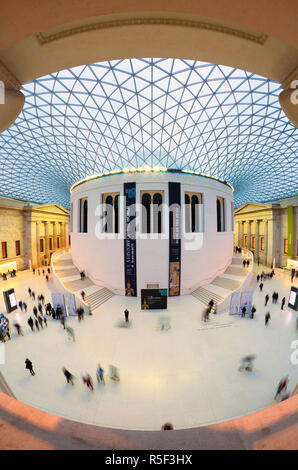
(235, 303)
(130, 261)
(153, 299)
(58, 301)
(246, 300)
(71, 303)
(174, 239)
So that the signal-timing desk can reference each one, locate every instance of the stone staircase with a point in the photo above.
(204, 296)
(222, 285)
(99, 297)
(70, 277)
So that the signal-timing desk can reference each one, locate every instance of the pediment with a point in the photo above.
(252, 207)
(52, 208)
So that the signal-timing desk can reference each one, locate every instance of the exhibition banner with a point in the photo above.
(130, 262)
(10, 300)
(235, 303)
(246, 300)
(174, 238)
(154, 299)
(58, 301)
(71, 303)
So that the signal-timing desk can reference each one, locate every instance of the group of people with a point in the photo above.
(43, 272)
(12, 273)
(246, 263)
(251, 314)
(238, 249)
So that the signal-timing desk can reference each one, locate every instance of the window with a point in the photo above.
(220, 213)
(18, 247)
(245, 241)
(41, 245)
(111, 212)
(253, 242)
(4, 249)
(83, 215)
(151, 211)
(285, 246)
(193, 212)
(262, 244)
(50, 243)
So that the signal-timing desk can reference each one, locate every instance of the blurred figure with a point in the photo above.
(100, 374)
(18, 329)
(62, 321)
(36, 324)
(253, 311)
(40, 321)
(21, 305)
(126, 315)
(29, 366)
(267, 318)
(258, 278)
(70, 332)
(33, 270)
(29, 291)
(114, 373)
(167, 427)
(87, 380)
(266, 299)
(30, 323)
(25, 306)
(47, 278)
(261, 286)
(243, 312)
(33, 295)
(246, 363)
(83, 295)
(282, 386)
(283, 301)
(164, 323)
(69, 377)
(45, 321)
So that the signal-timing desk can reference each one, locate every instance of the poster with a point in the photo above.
(174, 239)
(130, 262)
(293, 298)
(235, 303)
(154, 299)
(246, 300)
(10, 300)
(71, 304)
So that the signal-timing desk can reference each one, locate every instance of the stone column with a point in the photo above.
(239, 234)
(249, 235)
(266, 243)
(37, 244)
(63, 235)
(54, 236)
(46, 232)
(257, 235)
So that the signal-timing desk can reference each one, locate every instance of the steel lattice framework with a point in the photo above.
(174, 113)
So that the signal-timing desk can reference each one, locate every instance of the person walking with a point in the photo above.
(25, 306)
(33, 295)
(62, 321)
(243, 312)
(266, 299)
(69, 377)
(292, 274)
(40, 308)
(35, 311)
(49, 271)
(45, 321)
(83, 295)
(40, 321)
(36, 324)
(70, 332)
(43, 272)
(267, 318)
(100, 374)
(33, 270)
(87, 380)
(244, 263)
(31, 323)
(18, 328)
(283, 301)
(21, 305)
(261, 286)
(126, 315)
(258, 278)
(29, 366)
(253, 311)
(29, 291)
(47, 278)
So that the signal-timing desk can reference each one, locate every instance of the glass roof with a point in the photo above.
(174, 113)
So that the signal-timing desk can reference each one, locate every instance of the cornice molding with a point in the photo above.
(253, 37)
(8, 77)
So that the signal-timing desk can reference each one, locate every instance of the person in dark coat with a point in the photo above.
(267, 318)
(253, 311)
(35, 311)
(40, 308)
(29, 291)
(33, 295)
(266, 299)
(283, 301)
(36, 324)
(69, 377)
(25, 306)
(45, 321)
(126, 315)
(31, 323)
(258, 278)
(29, 366)
(40, 321)
(261, 286)
(18, 328)
(243, 312)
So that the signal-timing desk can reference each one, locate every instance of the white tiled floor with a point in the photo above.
(187, 375)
